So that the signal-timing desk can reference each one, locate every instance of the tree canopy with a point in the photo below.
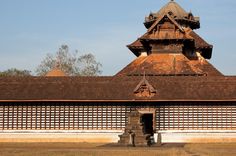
(15, 72)
(70, 63)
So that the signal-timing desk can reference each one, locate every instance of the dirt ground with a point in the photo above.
(96, 149)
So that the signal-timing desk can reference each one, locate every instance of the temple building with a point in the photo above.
(169, 89)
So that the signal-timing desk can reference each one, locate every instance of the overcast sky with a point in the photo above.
(29, 29)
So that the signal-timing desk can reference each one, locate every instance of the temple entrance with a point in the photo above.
(140, 129)
(147, 121)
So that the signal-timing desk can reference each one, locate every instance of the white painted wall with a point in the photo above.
(112, 136)
(198, 136)
(60, 136)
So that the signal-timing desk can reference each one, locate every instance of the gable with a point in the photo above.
(166, 22)
(165, 28)
(144, 89)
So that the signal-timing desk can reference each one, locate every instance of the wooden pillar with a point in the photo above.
(73, 117)
(8, 115)
(22, 116)
(13, 109)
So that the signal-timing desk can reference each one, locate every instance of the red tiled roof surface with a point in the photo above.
(136, 47)
(190, 34)
(199, 42)
(135, 44)
(116, 88)
(55, 72)
(168, 64)
(175, 8)
(177, 12)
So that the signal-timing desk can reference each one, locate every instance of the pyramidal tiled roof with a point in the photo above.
(169, 65)
(56, 72)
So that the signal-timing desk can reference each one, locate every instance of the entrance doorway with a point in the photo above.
(147, 120)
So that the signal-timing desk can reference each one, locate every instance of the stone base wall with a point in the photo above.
(60, 136)
(113, 136)
(197, 136)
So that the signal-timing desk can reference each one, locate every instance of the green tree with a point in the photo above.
(71, 63)
(15, 72)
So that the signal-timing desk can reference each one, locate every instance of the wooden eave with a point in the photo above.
(118, 101)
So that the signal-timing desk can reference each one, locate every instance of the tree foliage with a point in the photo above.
(15, 72)
(71, 63)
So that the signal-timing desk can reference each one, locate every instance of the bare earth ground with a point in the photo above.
(90, 149)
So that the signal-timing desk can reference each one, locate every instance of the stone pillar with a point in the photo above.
(133, 135)
(159, 139)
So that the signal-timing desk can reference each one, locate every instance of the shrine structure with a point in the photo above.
(169, 88)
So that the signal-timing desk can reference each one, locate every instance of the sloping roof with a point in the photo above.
(56, 72)
(175, 8)
(135, 44)
(199, 42)
(136, 47)
(115, 89)
(168, 64)
(177, 12)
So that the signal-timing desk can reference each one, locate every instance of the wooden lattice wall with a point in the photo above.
(53, 116)
(196, 117)
(113, 116)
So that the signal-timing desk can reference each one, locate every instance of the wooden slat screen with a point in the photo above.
(113, 116)
(62, 117)
(196, 117)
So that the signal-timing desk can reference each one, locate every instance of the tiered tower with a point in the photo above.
(170, 47)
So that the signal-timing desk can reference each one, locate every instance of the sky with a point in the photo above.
(29, 29)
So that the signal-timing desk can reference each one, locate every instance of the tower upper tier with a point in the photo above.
(185, 19)
(170, 30)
